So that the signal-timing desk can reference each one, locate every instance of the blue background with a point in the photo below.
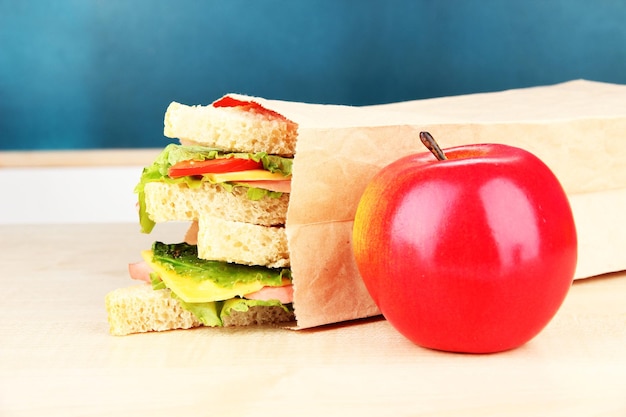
(99, 74)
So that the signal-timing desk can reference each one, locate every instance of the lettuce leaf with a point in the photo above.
(207, 313)
(243, 305)
(182, 260)
(212, 313)
(174, 153)
(156, 281)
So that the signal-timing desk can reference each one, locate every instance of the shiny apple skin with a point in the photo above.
(471, 254)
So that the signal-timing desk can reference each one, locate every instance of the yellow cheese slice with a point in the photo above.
(195, 291)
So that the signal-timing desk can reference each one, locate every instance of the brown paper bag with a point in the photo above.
(577, 128)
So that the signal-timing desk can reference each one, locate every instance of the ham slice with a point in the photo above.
(283, 294)
(140, 271)
(281, 186)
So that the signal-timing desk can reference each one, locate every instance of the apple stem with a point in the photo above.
(432, 145)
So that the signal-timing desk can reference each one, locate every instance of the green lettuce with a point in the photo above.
(156, 281)
(174, 153)
(212, 313)
(243, 305)
(207, 313)
(182, 258)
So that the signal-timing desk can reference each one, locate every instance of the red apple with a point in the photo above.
(474, 253)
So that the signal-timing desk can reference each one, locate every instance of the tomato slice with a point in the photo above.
(253, 106)
(212, 166)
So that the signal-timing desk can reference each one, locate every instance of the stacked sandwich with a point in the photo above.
(230, 178)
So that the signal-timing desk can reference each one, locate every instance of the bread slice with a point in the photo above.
(177, 202)
(140, 309)
(230, 129)
(242, 243)
(258, 315)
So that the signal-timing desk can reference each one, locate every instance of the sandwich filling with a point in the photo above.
(213, 289)
(270, 175)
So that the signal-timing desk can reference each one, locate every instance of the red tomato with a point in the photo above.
(212, 166)
(475, 253)
(228, 101)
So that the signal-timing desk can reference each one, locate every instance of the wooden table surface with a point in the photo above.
(57, 358)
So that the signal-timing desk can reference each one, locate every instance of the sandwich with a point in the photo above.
(229, 177)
